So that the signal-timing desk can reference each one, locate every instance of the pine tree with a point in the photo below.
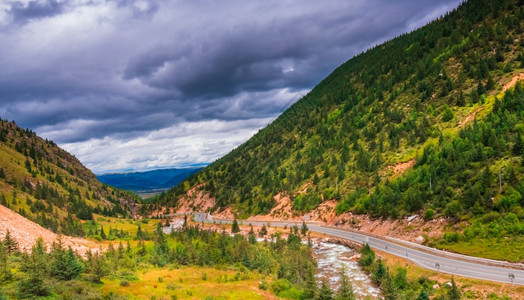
(234, 227)
(97, 268)
(263, 231)
(160, 240)
(380, 272)
(304, 228)
(139, 233)
(5, 270)
(251, 236)
(310, 289)
(423, 295)
(102, 233)
(34, 266)
(454, 292)
(325, 292)
(389, 289)
(64, 265)
(345, 291)
(10, 243)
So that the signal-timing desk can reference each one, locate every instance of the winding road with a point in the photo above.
(429, 258)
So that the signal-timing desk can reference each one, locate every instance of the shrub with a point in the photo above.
(429, 214)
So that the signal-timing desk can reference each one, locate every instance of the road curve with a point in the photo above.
(432, 261)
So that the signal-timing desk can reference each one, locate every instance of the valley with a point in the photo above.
(400, 175)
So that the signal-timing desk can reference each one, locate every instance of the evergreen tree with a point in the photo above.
(102, 233)
(380, 272)
(97, 268)
(389, 289)
(234, 227)
(454, 292)
(311, 288)
(139, 233)
(251, 236)
(325, 292)
(263, 231)
(10, 244)
(34, 266)
(304, 228)
(5, 270)
(367, 256)
(160, 240)
(423, 295)
(345, 290)
(64, 265)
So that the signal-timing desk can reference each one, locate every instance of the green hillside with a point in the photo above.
(50, 186)
(433, 98)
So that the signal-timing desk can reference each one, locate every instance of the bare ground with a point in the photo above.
(27, 232)
(470, 117)
(401, 167)
(513, 81)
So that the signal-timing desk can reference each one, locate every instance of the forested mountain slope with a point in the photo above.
(47, 185)
(417, 124)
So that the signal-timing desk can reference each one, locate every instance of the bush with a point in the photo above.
(429, 214)
(451, 237)
(263, 285)
(448, 114)
(124, 283)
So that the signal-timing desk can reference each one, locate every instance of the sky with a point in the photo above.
(139, 85)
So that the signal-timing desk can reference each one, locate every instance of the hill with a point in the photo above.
(156, 180)
(49, 186)
(428, 123)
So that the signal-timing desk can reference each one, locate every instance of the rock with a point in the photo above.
(411, 218)
(419, 239)
(436, 286)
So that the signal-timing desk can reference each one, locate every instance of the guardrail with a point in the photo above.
(426, 249)
(437, 252)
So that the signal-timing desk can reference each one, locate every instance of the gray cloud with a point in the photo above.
(85, 72)
(33, 10)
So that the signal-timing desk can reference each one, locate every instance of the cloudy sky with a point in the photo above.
(144, 84)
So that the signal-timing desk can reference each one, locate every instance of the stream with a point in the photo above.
(331, 257)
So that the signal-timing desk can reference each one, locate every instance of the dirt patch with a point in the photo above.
(195, 200)
(470, 117)
(226, 213)
(27, 232)
(325, 212)
(282, 211)
(513, 81)
(412, 229)
(402, 167)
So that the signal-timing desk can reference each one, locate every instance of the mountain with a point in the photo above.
(429, 122)
(147, 181)
(49, 186)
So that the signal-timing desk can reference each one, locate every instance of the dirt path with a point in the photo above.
(470, 117)
(27, 232)
(513, 81)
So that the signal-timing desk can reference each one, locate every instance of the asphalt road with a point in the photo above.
(441, 263)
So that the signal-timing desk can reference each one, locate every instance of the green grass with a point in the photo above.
(502, 249)
(129, 226)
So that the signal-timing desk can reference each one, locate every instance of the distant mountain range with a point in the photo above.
(148, 181)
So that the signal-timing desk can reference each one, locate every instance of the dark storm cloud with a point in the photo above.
(32, 10)
(84, 71)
